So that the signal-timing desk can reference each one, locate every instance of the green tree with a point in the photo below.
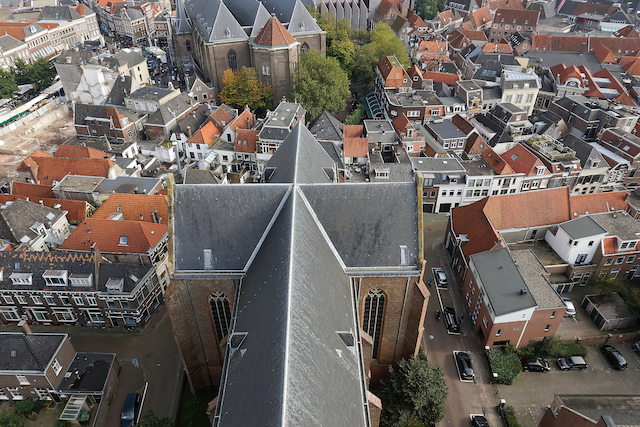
(41, 73)
(428, 9)
(320, 84)
(25, 407)
(416, 391)
(8, 419)
(383, 43)
(150, 419)
(242, 87)
(8, 85)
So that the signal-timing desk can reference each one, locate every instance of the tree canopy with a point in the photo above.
(383, 43)
(242, 88)
(8, 85)
(428, 9)
(416, 391)
(320, 84)
(40, 72)
(150, 419)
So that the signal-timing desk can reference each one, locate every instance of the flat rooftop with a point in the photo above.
(534, 273)
(151, 93)
(542, 250)
(611, 307)
(79, 183)
(87, 373)
(445, 129)
(619, 224)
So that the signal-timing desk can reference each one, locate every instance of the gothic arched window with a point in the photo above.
(221, 313)
(232, 57)
(305, 47)
(372, 317)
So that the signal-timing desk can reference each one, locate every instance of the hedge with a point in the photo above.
(510, 415)
(504, 363)
(557, 347)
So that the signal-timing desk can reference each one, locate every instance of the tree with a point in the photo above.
(383, 43)
(242, 88)
(320, 84)
(8, 419)
(428, 9)
(150, 419)
(416, 391)
(41, 73)
(8, 85)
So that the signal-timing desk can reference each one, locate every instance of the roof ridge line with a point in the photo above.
(24, 337)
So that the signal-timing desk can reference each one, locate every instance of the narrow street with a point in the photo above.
(464, 398)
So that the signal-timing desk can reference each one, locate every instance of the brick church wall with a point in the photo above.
(202, 356)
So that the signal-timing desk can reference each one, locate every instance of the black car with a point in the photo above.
(463, 362)
(479, 421)
(451, 320)
(614, 357)
(130, 410)
(535, 364)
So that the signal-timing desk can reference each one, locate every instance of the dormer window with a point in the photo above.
(55, 277)
(124, 240)
(21, 278)
(81, 279)
(115, 285)
(627, 245)
(539, 170)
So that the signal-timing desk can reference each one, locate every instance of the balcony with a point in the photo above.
(551, 149)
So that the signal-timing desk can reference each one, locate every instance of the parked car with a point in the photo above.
(571, 309)
(636, 347)
(479, 421)
(614, 357)
(130, 410)
(441, 278)
(572, 363)
(535, 364)
(451, 320)
(463, 363)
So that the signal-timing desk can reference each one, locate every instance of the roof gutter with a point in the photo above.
(404, 303)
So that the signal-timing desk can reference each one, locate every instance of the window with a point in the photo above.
(21, 299)
(64, 315)
(469, 193)
(485, 193)
(614, 273)
(15, 393)
(265, 70)
(529, 98)
(36, 299)
(499, 332)
(78, 300)
(7, 299)
(525, 185)
(91, 300)
(507, 98)
(41, 315)
(372, 317)
(65, 300)
(609, 261)
(554, 314)
(111, 303)
(56, 366)
(124, 304)
(42, 394)
(518, 99)
(49, 299)
(305, 47)
(232, 58)
(631, 258)
(221, 313)
(548, 328)
(130, 133)
(9, 314)
(619, 260)
(485, 323)
(494, 193)
(590, 242)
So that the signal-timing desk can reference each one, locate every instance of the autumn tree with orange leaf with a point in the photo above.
(242, 87)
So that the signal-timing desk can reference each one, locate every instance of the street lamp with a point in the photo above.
(431, 337)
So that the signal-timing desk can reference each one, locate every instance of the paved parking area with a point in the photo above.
(465, 398)
(532, 392)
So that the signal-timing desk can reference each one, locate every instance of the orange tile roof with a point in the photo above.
(54, 169)
(80, 9)
(105, 233)
(76, 209)
(471, 221)
(475, 35)
(274, 34)
(582, 204)
(481, 17)
(531, 209)
(497, 47)
(31, 190)
(245, 120)
(393, 75)
(474, 144)
(566, 43)
(353, 131)
(603, 54)
(220, 117)
(47, 25)
(446, 17)
(437, 77)
(522, 160)
(400, 123)
(207, 134)
(79, 152)
(496, 162)
(246, 140)
(355, 147)
(133, 206)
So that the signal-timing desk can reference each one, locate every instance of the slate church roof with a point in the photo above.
(295, 241)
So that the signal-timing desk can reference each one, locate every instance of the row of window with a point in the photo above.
(49, 299)
(529, 98)
(620, 260)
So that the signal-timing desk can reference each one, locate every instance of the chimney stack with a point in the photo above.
(97, 259)
(23, 324)
(189, 131)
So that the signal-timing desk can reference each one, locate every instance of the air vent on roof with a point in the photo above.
(524, 291)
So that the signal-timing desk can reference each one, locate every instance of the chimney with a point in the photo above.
(23, 324)
(189, 131)
(97, 259)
